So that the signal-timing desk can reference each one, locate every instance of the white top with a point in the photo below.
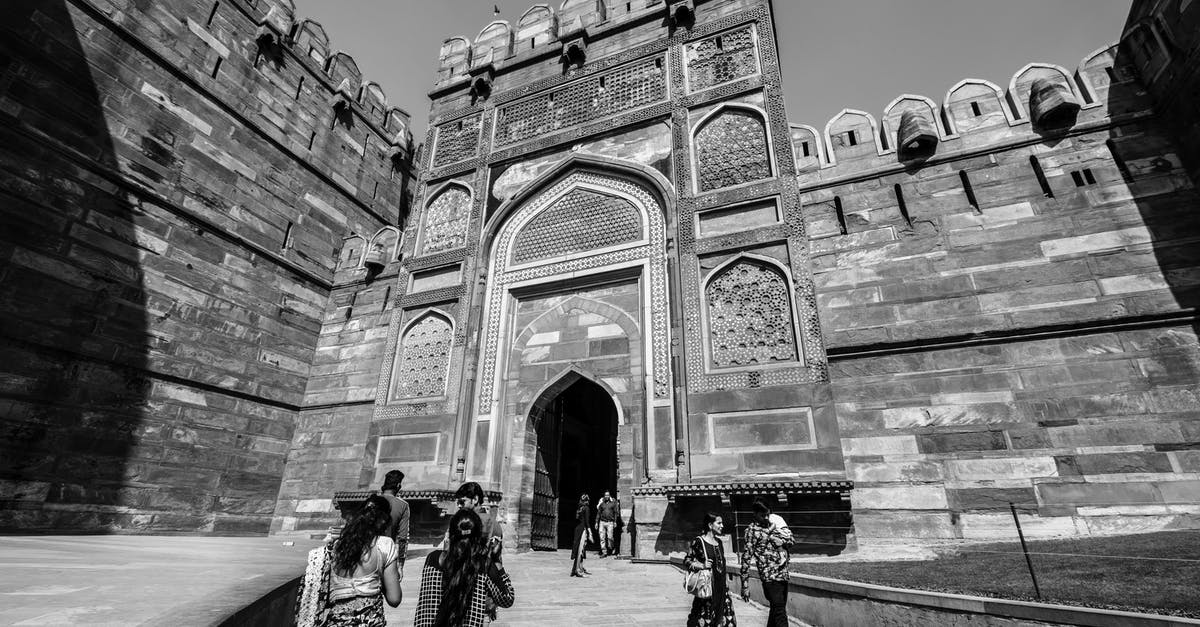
(366, 580)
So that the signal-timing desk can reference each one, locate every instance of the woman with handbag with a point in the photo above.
(583, 529)
(348, 581)
(712, 605)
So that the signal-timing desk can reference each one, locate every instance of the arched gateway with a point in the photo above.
(574, 348)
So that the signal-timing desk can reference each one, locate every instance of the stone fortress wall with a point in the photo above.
(1003, 302)
(1010, 316)
(179, 179)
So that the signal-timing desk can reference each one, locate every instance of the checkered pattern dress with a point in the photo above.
(496, 585)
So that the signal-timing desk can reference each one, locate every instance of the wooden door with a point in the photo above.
(543, 533)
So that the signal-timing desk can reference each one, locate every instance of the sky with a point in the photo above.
(835, 54)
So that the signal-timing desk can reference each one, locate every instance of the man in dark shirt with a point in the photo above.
(398, 530)
(608, 511)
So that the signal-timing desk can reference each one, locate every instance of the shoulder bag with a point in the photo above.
(698, 583)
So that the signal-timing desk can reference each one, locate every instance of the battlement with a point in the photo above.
(1040, 99)
(542, 28)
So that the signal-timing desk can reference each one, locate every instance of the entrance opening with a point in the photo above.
(576, 454)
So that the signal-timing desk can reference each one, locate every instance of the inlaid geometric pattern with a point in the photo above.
(445, 226)
(457, 141)
(582, 220)
(732, 148)
(625, 88)
(721, 59)
(749, 316)
(424, 358)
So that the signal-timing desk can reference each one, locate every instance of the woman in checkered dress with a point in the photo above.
(456, 583)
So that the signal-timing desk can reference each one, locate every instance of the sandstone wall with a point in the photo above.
(176, 190)
(1009, 320)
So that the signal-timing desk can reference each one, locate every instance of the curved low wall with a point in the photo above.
(825, 602)
(274, 609)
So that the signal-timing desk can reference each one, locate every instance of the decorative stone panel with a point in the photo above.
(731, 148)
(721, 58)
(424, 358)
(749, 316)
(457, 141)
(580, 221)
(445, 224)
(595, 97)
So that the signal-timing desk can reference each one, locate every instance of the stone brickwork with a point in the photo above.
(1007, 319)
(175, 200)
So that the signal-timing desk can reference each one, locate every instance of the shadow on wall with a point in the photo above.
(1149, 67)
(73, 354)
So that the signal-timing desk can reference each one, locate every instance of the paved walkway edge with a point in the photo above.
(840, 603)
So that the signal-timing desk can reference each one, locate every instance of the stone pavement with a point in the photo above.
(619, 592)
(130, 580)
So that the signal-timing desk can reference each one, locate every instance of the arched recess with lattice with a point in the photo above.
(731, 148)
(423, 357)
(541, 256)
(444, 223)
(749, 319)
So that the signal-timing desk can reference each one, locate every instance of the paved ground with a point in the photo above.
(619, 592)
(175, 580)
(129, 580)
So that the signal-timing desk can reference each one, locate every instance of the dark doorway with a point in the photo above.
(576, 454)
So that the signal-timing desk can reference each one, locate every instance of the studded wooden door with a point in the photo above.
(543, 533)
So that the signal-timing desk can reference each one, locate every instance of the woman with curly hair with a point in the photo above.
(456, 583)
(348, 580)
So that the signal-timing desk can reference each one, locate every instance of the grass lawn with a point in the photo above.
(1094, 572)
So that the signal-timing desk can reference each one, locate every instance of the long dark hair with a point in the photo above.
(463, 563)
(370, 521)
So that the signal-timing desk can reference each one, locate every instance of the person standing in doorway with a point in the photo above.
(607, 512)
(583, 529)
(708, 552)
(398, 531)
(765, 546)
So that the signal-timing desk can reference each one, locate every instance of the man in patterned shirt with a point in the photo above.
(765, 546)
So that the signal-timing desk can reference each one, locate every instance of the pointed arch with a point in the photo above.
(389, 238)
(749, 318)
(875, 135)
(1018, 86)
(444, 218)
(423, 356)
(951, 99)
(565, 379)
(351, 255)
(728, 150)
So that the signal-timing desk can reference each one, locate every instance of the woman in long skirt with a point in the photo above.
(707, 551)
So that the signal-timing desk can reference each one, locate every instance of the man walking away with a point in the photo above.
(398, 530)
(607, 511)
(765, 546)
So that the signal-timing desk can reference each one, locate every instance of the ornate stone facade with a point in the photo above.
(621, 224)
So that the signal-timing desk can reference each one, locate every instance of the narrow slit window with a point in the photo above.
(375, 191)
(804, 149)
(601, 83)
(387, 298)
(217, 66)
(900, 203)
(1088, 176)
(975, 109)
(312, 138)
(299, 88)
(841, 214)
(968, 190)
(287, 236)
(628, 7)
(720, 44)
(1078, 178)
(1041, 177)
(851, 138)
(532, 42)
(1122, 167)
(212, 15)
